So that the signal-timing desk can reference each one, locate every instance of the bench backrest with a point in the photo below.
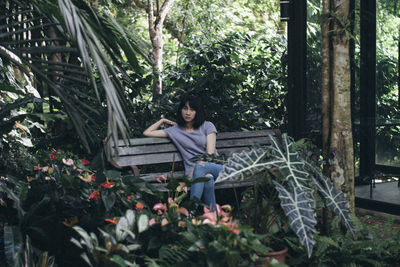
(144, 151)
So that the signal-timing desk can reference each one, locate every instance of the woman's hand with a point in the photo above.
(168, 123)
(153, 130)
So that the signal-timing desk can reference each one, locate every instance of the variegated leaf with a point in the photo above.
(291, 164)
(336, 201)
(241, 166)
(301, 215)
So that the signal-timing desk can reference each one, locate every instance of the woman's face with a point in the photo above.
(188, 113)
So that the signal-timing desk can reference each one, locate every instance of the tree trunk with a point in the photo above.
(336, 101)
(156, 20)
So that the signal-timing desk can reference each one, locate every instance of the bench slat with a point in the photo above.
(227, 135)
(170, 147)
(146, 159)
(220, 136)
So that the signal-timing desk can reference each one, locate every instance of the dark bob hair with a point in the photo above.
(194, 103)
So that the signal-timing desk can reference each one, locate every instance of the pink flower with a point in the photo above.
(36, 168)
(152, 222)
(86, 177)
(159, 206)
(221, 212)
(170, 200)
(129, 197)
(94, 178)
(207, 221)
(163, 177)
(183, 211)
(164, 222)
(84, 161)
(68, 162)
(209, 215)
(159, 212)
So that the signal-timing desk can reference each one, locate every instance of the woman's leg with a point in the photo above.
(212, 171)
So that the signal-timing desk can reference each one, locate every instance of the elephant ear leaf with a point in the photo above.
(336, 201)
(298, 208)
(289, 162)
(243, 165)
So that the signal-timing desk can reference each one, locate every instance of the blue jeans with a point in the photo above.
(206, 169)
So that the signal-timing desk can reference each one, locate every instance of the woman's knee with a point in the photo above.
(198, 171)
(210, 183)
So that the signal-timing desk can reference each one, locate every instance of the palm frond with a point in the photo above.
(67, 45)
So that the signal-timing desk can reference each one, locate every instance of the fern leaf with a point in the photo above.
(301, 216)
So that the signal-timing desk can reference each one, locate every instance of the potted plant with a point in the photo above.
(297, 181)
(260, 209)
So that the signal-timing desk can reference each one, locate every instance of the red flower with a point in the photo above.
(53, 157)
(55, 151)
(36, 168)
(139, 206)
(129, 197)
(163, 177)
(84, 161)
(108, 184)
(95, 195)
(114, 221)
(94, 178)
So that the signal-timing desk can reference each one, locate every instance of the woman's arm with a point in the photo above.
(210, 143)
(153, 130)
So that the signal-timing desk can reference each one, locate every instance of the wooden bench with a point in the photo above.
(149, 151)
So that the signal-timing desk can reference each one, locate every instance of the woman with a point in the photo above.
(192, 135)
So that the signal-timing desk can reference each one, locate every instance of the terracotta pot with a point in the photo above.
(265, 259)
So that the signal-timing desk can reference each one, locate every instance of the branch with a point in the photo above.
(163, 13)
(150, 15)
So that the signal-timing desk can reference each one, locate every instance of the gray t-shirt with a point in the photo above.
(190, 144)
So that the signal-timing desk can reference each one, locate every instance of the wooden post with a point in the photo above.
(367, 86)
(297, 54)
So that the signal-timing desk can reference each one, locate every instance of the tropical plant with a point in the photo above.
(61, 191)
(77, 57)
(20, 252)
(295, 180)
(376, 245)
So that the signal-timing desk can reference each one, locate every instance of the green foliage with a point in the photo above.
(20, 253)
(61, 192)
(373, 247)
(242, 74)
(295, 181)
(81, 37)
